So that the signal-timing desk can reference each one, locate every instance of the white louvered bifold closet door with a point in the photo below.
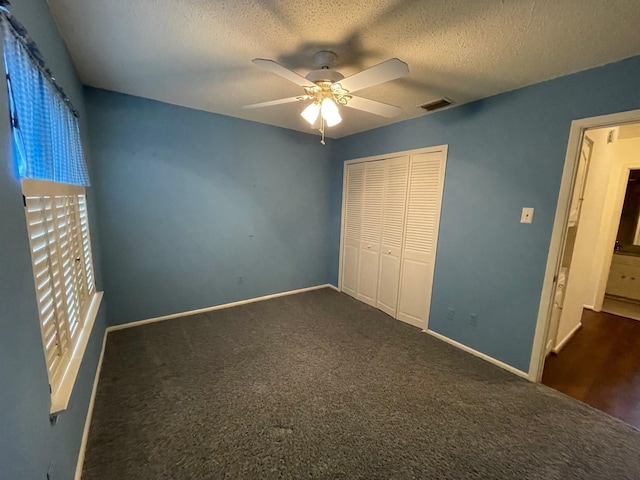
(352, 223)
(393, 213)
(49, 281)
(371, 231)
(426, 180)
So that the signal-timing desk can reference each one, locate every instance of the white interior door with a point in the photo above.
(352, 225)
(393, 213)
(370, 232)
(426, 182)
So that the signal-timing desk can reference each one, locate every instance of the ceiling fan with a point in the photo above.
(328, 88)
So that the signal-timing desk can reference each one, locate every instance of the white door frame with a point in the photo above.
(551, 341)
(558, 234)
(439, 148)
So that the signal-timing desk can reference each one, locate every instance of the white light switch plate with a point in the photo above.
(527, 215)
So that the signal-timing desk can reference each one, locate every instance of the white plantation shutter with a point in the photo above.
(86, 243)
(64, 223)
(46, 272)
(63, 273)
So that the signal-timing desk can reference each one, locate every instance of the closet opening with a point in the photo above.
(390, 217)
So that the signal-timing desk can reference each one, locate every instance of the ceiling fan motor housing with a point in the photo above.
(324, 59)
(324, 75)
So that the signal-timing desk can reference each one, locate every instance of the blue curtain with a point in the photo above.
(46, 133)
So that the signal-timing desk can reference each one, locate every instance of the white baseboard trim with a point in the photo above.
(217, 307)
(87, 422)
(478, 354)
(566, 339)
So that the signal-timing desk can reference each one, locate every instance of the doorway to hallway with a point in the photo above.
(582, 351)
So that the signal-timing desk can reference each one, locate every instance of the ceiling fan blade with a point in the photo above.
(383, 72)
(372, 106)
(280, 101)
(275, 67)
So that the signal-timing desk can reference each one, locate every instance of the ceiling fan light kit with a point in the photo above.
(328, 88)
(310, 114)
(327, 108)
(330, 112)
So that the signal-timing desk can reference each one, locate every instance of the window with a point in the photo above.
(50, 163)
(58, 229)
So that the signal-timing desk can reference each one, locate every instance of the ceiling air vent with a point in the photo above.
(436, 104)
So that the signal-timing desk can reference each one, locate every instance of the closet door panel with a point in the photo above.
(416, 289)
(350, 269)
(388, 284)
(426, 179)
(352, 226)
(370, 232)
(395, 195)
(368, 280)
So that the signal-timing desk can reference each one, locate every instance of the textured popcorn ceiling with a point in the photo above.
(197, 53)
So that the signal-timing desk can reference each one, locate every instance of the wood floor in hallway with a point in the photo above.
(601, 366)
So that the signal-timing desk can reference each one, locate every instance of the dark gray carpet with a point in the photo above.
(318, 385)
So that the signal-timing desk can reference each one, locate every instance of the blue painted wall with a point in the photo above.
(28, 442)
(505, 152)
(190, 201)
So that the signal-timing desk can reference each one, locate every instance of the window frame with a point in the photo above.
(68, 246)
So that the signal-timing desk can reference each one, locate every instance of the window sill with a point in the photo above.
(60, 398)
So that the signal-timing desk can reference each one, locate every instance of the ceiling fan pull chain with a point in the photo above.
(322, 130)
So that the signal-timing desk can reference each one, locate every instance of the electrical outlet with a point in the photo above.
(240, 280)
(527, 215)
(450, 312)
(473, 319)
